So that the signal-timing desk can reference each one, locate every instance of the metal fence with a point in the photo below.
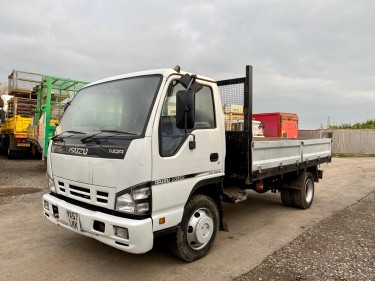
(345, 140)
(22, 83)
(232, 98)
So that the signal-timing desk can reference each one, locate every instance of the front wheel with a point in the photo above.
(198, 228)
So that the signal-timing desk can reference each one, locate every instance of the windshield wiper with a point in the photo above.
(115, 132)
(59, 136)
(119, 132)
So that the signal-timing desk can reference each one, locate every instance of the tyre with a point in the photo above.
(287, 197)
(12, 154)
(304, 197)
(3, 150)
(33, 150)
(3, 145)
(198, 229)
(22, 154)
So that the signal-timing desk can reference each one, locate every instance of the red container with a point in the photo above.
(279, 124)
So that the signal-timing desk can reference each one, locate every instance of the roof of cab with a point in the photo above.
(164, 72)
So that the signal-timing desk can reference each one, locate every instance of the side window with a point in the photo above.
(170, 137)
(204, 109)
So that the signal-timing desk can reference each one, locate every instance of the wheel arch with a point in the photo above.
(212, 188)
(314, 171)
(296, 180)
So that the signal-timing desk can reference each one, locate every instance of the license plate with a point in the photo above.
(23, 144)
(73, 220)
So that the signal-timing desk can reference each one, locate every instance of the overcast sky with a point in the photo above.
(313, 58)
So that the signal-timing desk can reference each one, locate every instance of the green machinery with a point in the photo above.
(52, 95)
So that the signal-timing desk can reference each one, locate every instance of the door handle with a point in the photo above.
(214, 157)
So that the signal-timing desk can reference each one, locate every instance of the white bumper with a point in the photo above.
(140, 231)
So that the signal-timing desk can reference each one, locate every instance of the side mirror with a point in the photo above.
(185, 109)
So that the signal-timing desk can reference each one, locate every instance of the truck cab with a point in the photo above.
(120, 168)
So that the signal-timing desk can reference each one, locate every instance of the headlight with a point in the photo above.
(141, 193)
(51, 184)
(125, 203)
(143, 207)
(136, 200)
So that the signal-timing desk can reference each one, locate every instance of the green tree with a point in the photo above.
(369, 124)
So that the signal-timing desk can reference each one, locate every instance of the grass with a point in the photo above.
(352, 155)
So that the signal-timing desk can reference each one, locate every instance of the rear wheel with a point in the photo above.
(287, 197)
(12, 151)
(12, 154)
(198, 228)
(304, 197)
(33, 150)
(3, 144)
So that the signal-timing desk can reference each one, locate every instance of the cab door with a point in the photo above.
(176, 168)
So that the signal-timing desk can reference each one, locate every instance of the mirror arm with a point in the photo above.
(186, 109)
(193, 77)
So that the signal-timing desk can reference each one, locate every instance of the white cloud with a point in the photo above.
(293, 46)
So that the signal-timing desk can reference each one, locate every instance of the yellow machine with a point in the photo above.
(33, 111)
(19, 114)
(13, 131)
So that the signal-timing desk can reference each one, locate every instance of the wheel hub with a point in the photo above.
(309, 189)
(200, 229)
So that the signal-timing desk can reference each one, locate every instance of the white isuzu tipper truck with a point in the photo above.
(147, 154)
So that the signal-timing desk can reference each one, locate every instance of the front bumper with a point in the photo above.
(140, 232)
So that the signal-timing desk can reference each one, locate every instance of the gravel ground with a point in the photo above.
(341, 247)
(21, 179)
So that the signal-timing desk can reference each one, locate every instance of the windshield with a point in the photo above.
(120, 105)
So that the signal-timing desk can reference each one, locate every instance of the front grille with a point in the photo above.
(102, 197)
(91, 194)
(80, 192)
(61, 186)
